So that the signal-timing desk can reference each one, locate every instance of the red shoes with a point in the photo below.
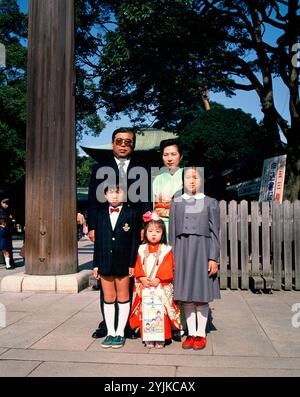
(199, 343)
(189, 342)
(194, 342)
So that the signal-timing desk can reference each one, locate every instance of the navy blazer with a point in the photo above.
(116, 250)
(99, 175)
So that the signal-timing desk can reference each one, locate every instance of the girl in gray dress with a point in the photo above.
(194, 235)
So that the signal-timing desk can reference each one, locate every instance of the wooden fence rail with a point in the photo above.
(260, 245)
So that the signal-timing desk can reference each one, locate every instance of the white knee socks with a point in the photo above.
(124, 308)
(7, 262)
(190, 316)
(109, 314)
(196, 318)
(202, 314)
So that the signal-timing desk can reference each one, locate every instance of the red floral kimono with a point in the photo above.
(164, 270)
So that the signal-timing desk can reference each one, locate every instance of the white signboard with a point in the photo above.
(272, 180)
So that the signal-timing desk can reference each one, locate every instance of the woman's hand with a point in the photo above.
(154, 282)
(145, 282)
(212, 268)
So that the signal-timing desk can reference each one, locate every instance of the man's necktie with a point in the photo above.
(122, 173)
(111, 210)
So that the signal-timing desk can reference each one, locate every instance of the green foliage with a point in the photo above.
(222, 137)
(155, 61)
(13, 28)
(84, 168)
(90, 17)
(159, 55)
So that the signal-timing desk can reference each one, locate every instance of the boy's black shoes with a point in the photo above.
(101, 331)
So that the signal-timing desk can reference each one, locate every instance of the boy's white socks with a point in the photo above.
(124, 308)
(109, 314)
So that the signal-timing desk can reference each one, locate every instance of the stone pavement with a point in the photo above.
(49, 335)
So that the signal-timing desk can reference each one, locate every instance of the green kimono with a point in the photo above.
(165, 185)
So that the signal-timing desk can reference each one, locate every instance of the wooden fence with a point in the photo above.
(260, 245)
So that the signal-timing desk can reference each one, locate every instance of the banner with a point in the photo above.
(153, 314)
(272, 180)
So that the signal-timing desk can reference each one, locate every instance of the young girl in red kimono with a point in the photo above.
(155, 269)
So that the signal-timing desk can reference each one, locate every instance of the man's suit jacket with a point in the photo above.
(99, 175)
(116, 250)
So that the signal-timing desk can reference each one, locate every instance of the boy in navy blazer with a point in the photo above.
(117, 238)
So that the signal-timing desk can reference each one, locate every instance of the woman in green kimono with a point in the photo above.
(169, 180)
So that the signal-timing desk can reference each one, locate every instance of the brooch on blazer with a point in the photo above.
(126, 227)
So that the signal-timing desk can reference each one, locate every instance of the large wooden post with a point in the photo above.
(51, 241)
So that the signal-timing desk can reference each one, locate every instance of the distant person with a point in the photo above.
(155, 269)
(81, 223)
(5, 242)
(117, 237)
(7, 214)
(194, 236)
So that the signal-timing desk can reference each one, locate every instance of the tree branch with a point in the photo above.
(244, 87)
(272, 22)
(284, 2)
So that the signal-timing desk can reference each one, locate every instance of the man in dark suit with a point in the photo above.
(122, 166)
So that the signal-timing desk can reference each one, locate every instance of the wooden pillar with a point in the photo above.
(51, 238)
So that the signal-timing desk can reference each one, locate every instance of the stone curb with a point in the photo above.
(68, 283)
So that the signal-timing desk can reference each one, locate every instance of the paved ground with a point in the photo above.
(50, 335)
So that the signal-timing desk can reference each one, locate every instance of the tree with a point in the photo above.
(90, 16)
(84, 169)
(13, 34)
(222, 137)
(13, 29)
(146, 65)
(162, 53)
(252, 22)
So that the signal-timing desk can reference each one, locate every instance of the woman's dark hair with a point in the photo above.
(170, 142)
(160, 223)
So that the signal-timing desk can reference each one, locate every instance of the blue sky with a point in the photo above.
(247, 101)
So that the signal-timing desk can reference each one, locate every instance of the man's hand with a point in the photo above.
(92, 235)
(212, 268)
(96, 274)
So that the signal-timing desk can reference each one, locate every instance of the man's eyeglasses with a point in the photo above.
(120, 141)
